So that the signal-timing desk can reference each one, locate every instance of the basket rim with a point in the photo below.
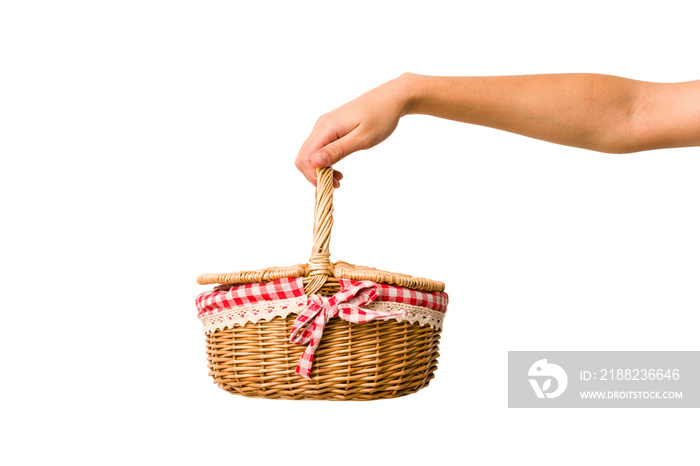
(339, 269)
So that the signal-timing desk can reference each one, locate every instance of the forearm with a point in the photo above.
(592, 111)
(583, 110)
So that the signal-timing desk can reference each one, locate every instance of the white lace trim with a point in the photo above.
(241, 315)
(268, 310)
(414, 314)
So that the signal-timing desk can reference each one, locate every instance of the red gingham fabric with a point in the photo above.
(436, 301)
(346, 304)
(220, 299)
(309, 324)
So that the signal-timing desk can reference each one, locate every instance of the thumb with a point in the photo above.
(337, 150)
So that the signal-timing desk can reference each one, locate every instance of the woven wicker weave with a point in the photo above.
(373, 360)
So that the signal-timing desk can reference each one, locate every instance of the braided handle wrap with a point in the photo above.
(320, 267)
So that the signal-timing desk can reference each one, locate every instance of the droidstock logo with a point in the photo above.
(544, 372)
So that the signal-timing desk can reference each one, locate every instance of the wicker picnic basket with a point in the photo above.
(354, 361)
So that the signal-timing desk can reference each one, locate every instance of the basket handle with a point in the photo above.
(320, 276)
(320, 263)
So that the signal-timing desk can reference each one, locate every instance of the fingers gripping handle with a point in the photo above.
(320, 263)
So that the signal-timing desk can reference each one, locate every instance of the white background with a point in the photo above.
(144, 143)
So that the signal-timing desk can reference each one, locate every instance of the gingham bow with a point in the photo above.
(346, 304)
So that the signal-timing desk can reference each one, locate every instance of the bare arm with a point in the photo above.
(592, 111)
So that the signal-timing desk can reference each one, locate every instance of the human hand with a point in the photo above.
(359, 124)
